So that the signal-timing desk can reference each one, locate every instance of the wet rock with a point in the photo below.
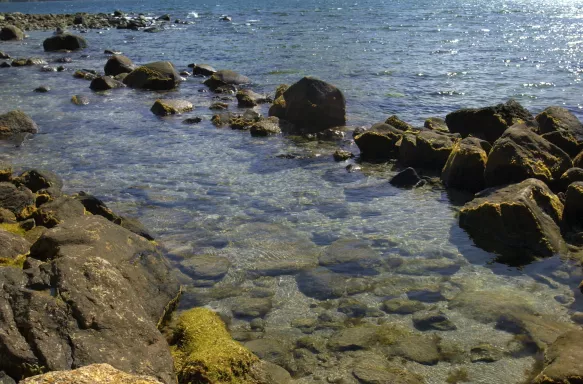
(379, 142)
(219, 106)
(203, 70)
(367, 372)
(226, 18)
(225, 78)
(204, 351)
(41, 181)
(354, 308)
(563, 360)
(160, 75)
(246, 98)
(4, 64)
(436, 124)
(18, 200)
(432, 320)
(280, 90)
(104, 83)
(518, 221)
(134, 225)
(95, 206)
(18, 62)
(520, 154)
(487, 123)
(15, 123)
(269, 373)
(251, 307)
(407, 178)
(331, 134)
(559, 119)
(353, 339)
(95, 373)
(80, 100)
(114, 288)
(485, 353)
(10, 32)
(266, 127)
(272, 350)
(350, 256)
(84, 74)
(312, 105)
(205, 269)
(402, 306)
(429, 295)
(321, 284)
(465, 166)
(171, 107)
(64, 41)
(342, 155)
(42, 89)
(57, 211)
(192, 120)
(427, 149)
(563, 140)
(573, 211)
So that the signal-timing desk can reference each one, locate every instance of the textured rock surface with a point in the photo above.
(91, 374)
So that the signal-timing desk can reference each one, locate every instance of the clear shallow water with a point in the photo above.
(205, 190)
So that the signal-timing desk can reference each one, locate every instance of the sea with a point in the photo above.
(269, 204)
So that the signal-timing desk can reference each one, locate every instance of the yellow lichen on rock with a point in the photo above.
(204, 351)
(17, 262)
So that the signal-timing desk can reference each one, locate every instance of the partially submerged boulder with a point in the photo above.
(203, 70)
(379, 142)
(104, 83)
(520, 154)
(312, 105)
(465, 166)
(407, 178)
(91, 374)
(171, 107)
(427, 149)
(16, 122)
(225, 77)
(487, 123)
(519, 221)
(117, 64)
(563, 360)
(159, 76)
(266, 127)
(246, 98)
(10, 32)
(64, 41)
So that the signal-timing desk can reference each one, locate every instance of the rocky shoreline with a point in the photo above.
(82, 285)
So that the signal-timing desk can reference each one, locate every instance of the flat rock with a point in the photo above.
(12, 245)
(251, 307)
(57, 211)
(205, 269)
(432, 320)
(91, 374)
(171, 107)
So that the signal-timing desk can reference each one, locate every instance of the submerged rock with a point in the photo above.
(367, 372)
(171, 107)
(16, 122)
(117, 64)
(407, 178)
(350, 256)
(465, 166)
(432, 320)
(79, 100)
(563, 360)
(91, 374)
(519, 221)
(64, 41)
(205, 269)
(159, 76)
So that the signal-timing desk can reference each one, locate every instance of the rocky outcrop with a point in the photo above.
(487, 123)
(465, 165)
(16, 123)
(91, 374)
(170, 107)
(379, 142)
(427, 149)
(64, 42)
(311, 105)
(10, 32)
(159, 76)
(559, 119)
(117, 64)
(520, 154)
(519, 221)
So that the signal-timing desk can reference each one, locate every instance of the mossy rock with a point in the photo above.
(398, 123)
(427, 149)
(436, 124)
(379, 142)
(160, 75)
(465, 166)
(64, 41)
(559, 119)
(170, 107)
(204, 351)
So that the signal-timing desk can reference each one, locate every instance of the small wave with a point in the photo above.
(283, 72)
(542, 84)
(449, 93)
(193, 14)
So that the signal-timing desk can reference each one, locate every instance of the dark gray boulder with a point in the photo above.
(570, 176)
(407, 178)
(520, 154)
(15, 123)
(203, 70)
(57, 211)
(117, 64)
(104, 83)
(487, 123)
(559, 119)
(379, 142)
(10, 32)
(160, 75)
(224, 78)
(564, 140)
(427, 149)
(65, 41)
(465, 166)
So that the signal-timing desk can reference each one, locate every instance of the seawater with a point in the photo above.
(204, 190)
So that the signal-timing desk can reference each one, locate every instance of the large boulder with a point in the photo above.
(572, 175)
(379, 142)
(160, 75)
(91, 374)
(312, 105)
(573, 212)
(15, 123)
(97, 296)
(520, 154)
(225, 77)
(559, 119)
(487, 123)
(563, 360)
(465, 166)
(117, 64)
(10, 32)
(64, 41)
(519, 221)
(427, 149)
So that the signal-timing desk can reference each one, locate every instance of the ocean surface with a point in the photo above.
(220, 192)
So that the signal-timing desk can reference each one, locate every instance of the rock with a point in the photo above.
(10, 32)
(205, 269)
(4, 55)
(272, 350)
(559, 119)
(578, 160)
(354, 308)
(94, 373)
(224, 78)
(104, 83)
(80, 100)
(5, 379)
(379, 142)
(394, 121)
(246, 98)
(57, 211)
(251, 307)
(134, 225)
(35, 61)
(570, 176)
(14, 123)
(18, 62)
(165, 17)
(192, 120)
(427, 149)
(79, 19)
(432, 320)
(487, 123)
(321, 284)
(465, 166)
(219, 106)
(342, 155)
(64, 41)
(436, 124)
(350, 256)
(572, 213)
(563, 360)
(312, 105)
(160, 75)
(353, 339)
(83, 74)
(280, 90)
(402, 306)
(407, 178)
(113, 289)
(367, 372)
(330, 134)
(12, 246)
(268, 373)
(5, 171)
(7, 217)
(226, 18)
(266, 127)
(518, 221)
(520, 154)
(203, 70)
(42, 89)
(485, 353)
(171, 107)
(18, 200)
(204, 352)
(563, 140)
(95, 206)
(41, 181)
(4, 64)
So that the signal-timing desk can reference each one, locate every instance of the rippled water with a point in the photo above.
(204, 190)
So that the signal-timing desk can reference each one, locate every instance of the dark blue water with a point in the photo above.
(204, 190)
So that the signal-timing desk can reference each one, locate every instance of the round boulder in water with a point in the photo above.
(64, 41)
(10, 32)
(160, 75)
(118, 64)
